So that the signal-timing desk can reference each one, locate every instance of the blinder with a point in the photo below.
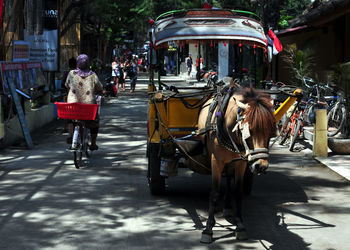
(252, 155)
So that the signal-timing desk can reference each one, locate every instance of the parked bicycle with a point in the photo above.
(211, 77)
(79, 113)
(303, 112)
(337, 114)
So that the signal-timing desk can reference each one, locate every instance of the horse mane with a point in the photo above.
(260, 112)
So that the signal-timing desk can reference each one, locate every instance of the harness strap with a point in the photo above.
(222, 133)
(257, 156)
(203, 130)
(259, 150)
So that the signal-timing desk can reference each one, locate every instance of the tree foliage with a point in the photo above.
(299, 62)
(274, 13)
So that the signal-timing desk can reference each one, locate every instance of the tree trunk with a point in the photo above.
(10, 17)
(30, 17)
(38, 17)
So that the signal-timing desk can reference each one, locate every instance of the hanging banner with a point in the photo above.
(223, 60)
(43, 48)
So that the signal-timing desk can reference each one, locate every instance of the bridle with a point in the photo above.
(250, 154)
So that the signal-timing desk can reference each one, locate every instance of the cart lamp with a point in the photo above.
(158, 96)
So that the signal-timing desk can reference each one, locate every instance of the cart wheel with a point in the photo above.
(156, 182)
(248, 181)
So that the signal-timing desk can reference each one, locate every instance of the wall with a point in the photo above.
(329, 43)
(70, 41)
(35, 118)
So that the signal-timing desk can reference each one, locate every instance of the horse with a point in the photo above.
(248, 124)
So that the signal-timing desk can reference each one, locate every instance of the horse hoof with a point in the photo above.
(241, 235)
(207, 238)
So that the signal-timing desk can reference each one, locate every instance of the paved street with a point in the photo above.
(45, 203)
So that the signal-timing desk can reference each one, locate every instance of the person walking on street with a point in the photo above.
(189, 64)
(132, 73)
(83, 84)
(122, 71)
(115, 75)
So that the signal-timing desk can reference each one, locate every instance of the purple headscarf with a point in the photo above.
(83, 66)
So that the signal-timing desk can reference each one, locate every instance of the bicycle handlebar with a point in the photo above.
(317, 85)
(289, 91)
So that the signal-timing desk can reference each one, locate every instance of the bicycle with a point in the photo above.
(79, 113)
(303, 113)
(335, 105)
(292, 126)
(337, 115)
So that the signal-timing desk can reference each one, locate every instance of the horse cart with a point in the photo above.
(210, 129)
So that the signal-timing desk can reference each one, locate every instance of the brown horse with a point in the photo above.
(249, 124)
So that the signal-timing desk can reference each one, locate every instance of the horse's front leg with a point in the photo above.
(207, 234)
(241, 233)
(228, 210)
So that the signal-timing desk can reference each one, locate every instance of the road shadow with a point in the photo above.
(275, 197)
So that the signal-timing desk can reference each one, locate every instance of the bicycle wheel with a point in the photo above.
(78, 158)
(285, 131)
(87, 144)
(78, 153)
(295, 134)
(336, 119)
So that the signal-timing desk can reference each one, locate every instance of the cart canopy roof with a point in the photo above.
(208, 25)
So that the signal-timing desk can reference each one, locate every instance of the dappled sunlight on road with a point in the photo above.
(45, 202)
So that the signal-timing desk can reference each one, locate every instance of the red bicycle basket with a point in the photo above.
(76, 111)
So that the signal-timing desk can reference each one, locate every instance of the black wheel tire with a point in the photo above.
(78, 154)
(285, 132)
(295, 135)
(248, 181)
(78, 159)
(87, 145)
(342, 116)
(156, 182)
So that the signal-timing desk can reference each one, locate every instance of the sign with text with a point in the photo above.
(43, 48)
(21, 51)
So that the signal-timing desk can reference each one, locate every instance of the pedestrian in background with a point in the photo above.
(189, 63)
(122, 73)
(115, 75)
(132, 73)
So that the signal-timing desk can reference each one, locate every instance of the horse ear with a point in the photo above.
(242, 105)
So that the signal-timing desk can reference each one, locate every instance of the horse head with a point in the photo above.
(257, 125)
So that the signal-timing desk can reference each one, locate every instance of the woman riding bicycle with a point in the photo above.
(83, 84)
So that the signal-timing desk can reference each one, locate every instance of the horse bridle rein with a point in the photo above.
(250, 155)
